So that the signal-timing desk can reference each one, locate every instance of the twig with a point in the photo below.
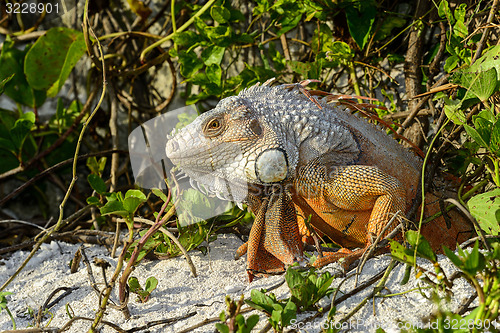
(160, 322)
(173, 238)
(47, 306)
(379, 287)
(480, 45)
(434, 66)
(464, 306)
(81, 236)
(373, 246)
(90, 274)
(200, 324)
(472, 240)
(266, 328)
(24, 222)
(113, 118)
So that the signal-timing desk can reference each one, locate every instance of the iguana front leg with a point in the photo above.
(274, 239)
(351, 204)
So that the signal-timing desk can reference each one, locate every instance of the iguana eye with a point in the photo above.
(213, 127)
(214, 124)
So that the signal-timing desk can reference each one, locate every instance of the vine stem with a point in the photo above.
(180, 29)
(107, 292)
(422, 184)
(59, 222)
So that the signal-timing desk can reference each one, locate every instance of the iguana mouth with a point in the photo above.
(213, 185)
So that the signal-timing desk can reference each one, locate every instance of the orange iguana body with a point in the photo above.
(301, 159)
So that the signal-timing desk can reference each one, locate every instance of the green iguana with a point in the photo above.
(293, 157)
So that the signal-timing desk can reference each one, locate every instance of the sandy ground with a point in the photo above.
(179, 293)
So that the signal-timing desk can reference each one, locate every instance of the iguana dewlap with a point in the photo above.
(295, 157)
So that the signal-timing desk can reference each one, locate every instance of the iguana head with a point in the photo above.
(260, 137)
(232, 143)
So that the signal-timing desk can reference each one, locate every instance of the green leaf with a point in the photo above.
(452, 109)
(159, 193)
(474, 134)
(222, 316)
(453, 257)
(474, 261)
(293, 278)
(300, 67)
(389, 23)
(275, 318)
(460, 29)
(151, 284)
(136, 194)
(240, 321)
(114, 207)
(95, 166)
(136, 288)
(279, 61)
(222, 328)
(186, 38)
(134, 285)
(260, 301)
(220, 35)
(481, 84)
(133, 198)
(93, 201)
(97, 183)
(339, 52)
(20, 131)
(406, 277)
(75, 52)
(424, 249)
(12, 63)
(214, 73)
(252, 321)
(485, 208)
(190, 63)
(50, 61)
(445, 12)
(288, 22)
(495, 138)
(220, 14)
(483, 127)
(3, 299)
(326, 282)
(243, 38)
(399, 252)
(360, 18)
(450, 63)
(321, 39)
(4, 82)
(332, 312)
(289, 313)
(488, 60)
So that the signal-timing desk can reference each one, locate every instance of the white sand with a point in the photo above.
(179, 293)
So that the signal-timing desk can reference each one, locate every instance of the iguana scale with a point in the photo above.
(294, 157)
